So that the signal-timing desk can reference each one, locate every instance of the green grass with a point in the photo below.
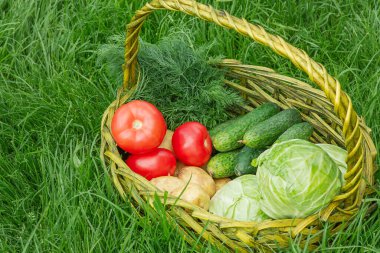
(54, 194)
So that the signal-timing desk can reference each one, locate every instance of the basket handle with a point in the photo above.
(316, 71)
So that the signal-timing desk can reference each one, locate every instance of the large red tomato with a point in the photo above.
(192, 144)
(156, 163)
(138, 127)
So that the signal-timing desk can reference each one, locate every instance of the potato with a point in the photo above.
(198, 176)
(219, 183)
(168, 183)
(194, 194)
(167, 141)
(174, 186)
(180, 165)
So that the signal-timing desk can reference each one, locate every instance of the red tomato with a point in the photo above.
(192, 144)
(138, 127)
(156, 163)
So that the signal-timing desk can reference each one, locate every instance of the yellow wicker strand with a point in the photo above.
(206, 216)
(347, 119)
(363, 190)
(169, 199)
(116, 181)
(303, 224)
(370, 156)
(347, 194)
(354, 169)
(353, 181)
(325, 214)
(197, 228)
(354, 133)
(279, 240)
(337, 97)
(245, 238)
(351, 210)
(354, 150)
(223, 238)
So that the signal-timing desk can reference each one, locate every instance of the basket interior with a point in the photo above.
(257, 85)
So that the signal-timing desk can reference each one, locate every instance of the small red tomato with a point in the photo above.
(192, 144)
(156, 163)
(138, 127)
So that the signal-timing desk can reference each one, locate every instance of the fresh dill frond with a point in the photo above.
(177, 78)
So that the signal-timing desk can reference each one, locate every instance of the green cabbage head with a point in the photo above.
(239, 199)
(339, 156)
(296, 179)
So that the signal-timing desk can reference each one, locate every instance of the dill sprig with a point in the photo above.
(176, 78)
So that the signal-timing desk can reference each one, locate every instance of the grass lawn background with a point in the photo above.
(54, 194)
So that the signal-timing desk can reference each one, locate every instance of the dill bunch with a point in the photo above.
(177, 79)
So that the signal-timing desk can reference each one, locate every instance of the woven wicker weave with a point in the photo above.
(330, 111)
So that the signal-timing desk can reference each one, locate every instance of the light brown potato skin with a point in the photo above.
(198, 176)
(168, 183)
(167, 141)
(219, 183)
(174, 186)
(194, 194)
(179, 166)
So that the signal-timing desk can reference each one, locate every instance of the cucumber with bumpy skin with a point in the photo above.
(266, 132)
(221, 126)
(301, 131)
(243, 161)
(228, 138)
(222, 165)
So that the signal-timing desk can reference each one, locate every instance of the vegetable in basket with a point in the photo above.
(157, 163)
(301, 131)
(223, 164)
(192, 144)
(296, 179)
(266, 132)
(177, 77)
(138, 127)
(228, 138)
(168, 183)
(192, 193)
(239, 199)
(243, 161)
(167, 141)
(220, 182)
(338, 154)
(198, 176)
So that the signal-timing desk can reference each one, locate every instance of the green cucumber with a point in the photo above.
(221, 126)
(222, 165)
(266, 133)
(243, 161)
(228, 138)
(301, 131)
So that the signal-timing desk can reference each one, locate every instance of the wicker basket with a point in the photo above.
(330, 111)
